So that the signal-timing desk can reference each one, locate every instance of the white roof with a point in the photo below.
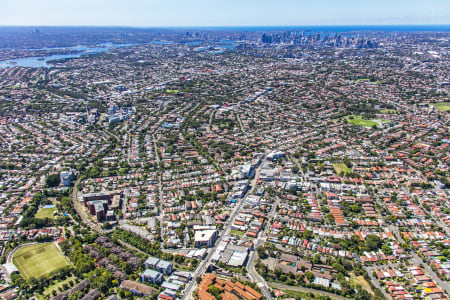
(10, 267)
(204, 235)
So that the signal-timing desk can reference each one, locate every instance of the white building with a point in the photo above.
(205, 238)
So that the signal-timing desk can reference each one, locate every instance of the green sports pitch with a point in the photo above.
(39, 260)
(358, 120)
(443, 106)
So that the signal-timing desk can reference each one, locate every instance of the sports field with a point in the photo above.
(443, 106)
(358, 120)
(172, 91)
(43, 213)
(367, 80)
(39, 260)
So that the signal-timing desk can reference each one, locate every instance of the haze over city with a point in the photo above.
(158, 13)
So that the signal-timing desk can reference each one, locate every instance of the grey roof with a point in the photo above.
(98, 206)
(163, 264)
(152, 261)
(170, 286)
(151, 274)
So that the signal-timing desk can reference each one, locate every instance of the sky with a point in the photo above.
(169, 13)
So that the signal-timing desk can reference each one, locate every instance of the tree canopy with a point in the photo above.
(53, 180)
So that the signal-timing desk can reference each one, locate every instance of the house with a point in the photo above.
(289, 258)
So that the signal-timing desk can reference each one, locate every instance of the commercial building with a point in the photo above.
(205, 238)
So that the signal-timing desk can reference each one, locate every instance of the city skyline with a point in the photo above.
(137, 13)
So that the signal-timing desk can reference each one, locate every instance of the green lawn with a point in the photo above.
(39, 260)
(341, 168)
(367, 80)
(236, 232)
(56, 284)
(358, 120)
(443, 106)
(43, 213)
(172, 91)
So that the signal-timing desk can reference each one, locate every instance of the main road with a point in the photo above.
(160, 191)
(203, 266)
(253, 274)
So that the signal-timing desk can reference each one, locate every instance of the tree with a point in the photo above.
(309, 276)
(347, 162)
(216, 292)
(308, 234)
(261, 252)
(355, 239)
(373, 242)
(277, 272)
(316, 259)
(394, 197)
(386, 249)
(330, 218)
(53, 180)
(362, 294)
(338, 267)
